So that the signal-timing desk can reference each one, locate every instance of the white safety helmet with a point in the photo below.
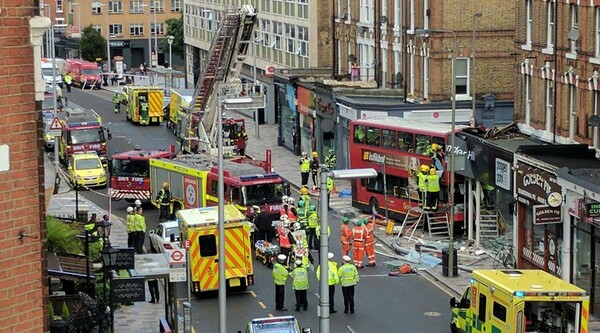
(129, 209)
(297, 226)
(330, 255)
(290, 201)
(284, 217)
(281, 257)
(138, 203)
(284, 199)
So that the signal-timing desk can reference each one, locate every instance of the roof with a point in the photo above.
(210, 215)
(139, 154)
(439, 128)
(575, 156)
(208, 162)
(69, 266)
(85, 155)
(588, 178)
(527, 280)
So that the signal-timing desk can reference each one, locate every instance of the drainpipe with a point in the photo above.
(554, 51)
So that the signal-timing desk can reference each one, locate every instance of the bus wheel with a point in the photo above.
(374, 206)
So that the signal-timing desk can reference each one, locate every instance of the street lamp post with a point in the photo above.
(107, 36)
(109, 259)
(149, 35)
(170, 40)
(256, 127)
(473, 81)
(324, 246)
(155, 33)
(424, 32)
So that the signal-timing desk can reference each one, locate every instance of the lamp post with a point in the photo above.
(170, 40)
(424, 32)
(109, 259)
(473, 81)
(256, 127)
(149, 35)
(324, 247)
(107, 36)
(155, 33)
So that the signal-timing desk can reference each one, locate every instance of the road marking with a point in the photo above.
(350, 329)
(373, 275)
(271, 315)
(262, 305)
(432, 314)
(253, 294)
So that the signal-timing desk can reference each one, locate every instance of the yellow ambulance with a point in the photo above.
(200, 229)
(509, 301)
(144, 104)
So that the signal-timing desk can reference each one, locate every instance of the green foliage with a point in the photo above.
(65, 312)
(92, 44)
(175, 29)
(95, 249)
(51, 310)
(62, 237)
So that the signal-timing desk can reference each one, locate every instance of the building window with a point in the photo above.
(266, 32)
(115, 30)
(289, 8)
(266, 6)
(303, 9)
(412, 15)
(397, 14)
(175, 5)
(550, 25)
(157, 29)
(529, 23)
(302, 41)
(96, 8)
(158, 4)
(277, 7)
(549, 98)
(278, 34)
(597, 32)
(574, 25)
(115, 7)
(462, 76)
(136, 29)
(527, 98)
(59, 6)
(135, 7)
(572, 113)
(366, 11)
(98, 28)
(290, 37)
(339, 8)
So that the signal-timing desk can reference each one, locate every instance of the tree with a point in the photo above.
(175, 29)
(92, 44)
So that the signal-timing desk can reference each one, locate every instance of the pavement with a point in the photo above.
(143, 316)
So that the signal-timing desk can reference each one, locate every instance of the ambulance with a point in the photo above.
(199, 227)
(179, 101)
(135, 95)
(509, 301)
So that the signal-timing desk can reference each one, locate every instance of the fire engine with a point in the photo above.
(193, 182)
(130, 173)
(82, 130)
(197, 128)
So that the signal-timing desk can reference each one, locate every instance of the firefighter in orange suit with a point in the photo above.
(346, 236)
(358, 236)
(369, 227)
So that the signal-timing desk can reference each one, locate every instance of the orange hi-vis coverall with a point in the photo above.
(346, 238)
(370, 242)
(358, 235)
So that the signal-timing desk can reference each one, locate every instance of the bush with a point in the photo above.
(62, 237)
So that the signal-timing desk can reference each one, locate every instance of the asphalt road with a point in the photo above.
(383, 303)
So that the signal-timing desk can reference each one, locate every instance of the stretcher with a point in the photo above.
(266, 252)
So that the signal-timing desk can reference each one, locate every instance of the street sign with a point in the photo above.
(176, 256)
(56, 125)
(187, 244)
(177, 266)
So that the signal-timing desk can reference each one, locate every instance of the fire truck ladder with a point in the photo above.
(228, 52)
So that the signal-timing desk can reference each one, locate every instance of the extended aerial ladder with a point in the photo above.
(198, 130)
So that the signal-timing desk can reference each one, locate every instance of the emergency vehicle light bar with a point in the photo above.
(258, 176)
(547, 293)
(83, 123)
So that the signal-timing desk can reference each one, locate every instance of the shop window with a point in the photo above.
(373, 136)
(405, 141)
(389, 139)
(359, 134)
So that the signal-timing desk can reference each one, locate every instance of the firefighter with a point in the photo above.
(130, 227)
(433, 189)
(346, 236)
(358, 243)
(292, 213)
(140, 230)
(331, 160)
(304, 196)
(437, 156)
(315, 166)
(311, 229)
(332, 280)
(164, 199)
(284, 205)
(280, 275)
(348, 275)
(300, 285)
(117, 102)
(304, 168)
(422, 178)
(242, 139)
(143, 110)
(369, 228)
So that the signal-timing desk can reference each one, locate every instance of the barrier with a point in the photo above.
(164, 326)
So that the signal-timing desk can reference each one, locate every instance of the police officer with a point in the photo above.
(131, 227)
(348, 275)
(140, 230)
(164, 198)
(304, 169)
(300, 285)
(332, 280)
(280, 275)
(117, 102)
(311, 230)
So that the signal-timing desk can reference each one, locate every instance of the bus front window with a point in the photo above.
(131, 168)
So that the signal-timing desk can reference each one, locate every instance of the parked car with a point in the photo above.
(275, 324)
(165, 237)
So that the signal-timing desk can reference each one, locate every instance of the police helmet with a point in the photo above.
(298, 262)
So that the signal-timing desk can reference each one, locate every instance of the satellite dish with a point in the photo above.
(594, 121)
(573, 35)
(383, 19)
(352, 58)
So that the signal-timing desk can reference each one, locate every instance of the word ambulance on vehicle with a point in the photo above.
(193, 182)
(82, 130)
(199, 227)
(136, 96)
(509, 301)
(130, 173)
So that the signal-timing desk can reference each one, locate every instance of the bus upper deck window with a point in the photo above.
(373, 136)
(359, 134)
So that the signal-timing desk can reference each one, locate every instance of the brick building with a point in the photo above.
(380, 35)
(23, 294)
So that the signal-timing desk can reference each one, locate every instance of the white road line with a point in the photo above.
(350, 329)
(253, 294)
(262, 305)
(373, 275)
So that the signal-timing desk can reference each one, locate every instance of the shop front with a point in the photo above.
(326, 121)
(288, 126)
(306, 118)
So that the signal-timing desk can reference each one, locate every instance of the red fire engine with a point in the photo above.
(82, 130)
(130, 173)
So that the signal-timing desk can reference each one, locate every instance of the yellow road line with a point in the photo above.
(262, 305)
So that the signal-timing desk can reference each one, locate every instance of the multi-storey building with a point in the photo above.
(134, 28)
(383, 37)
(289, 34)
(22, 258)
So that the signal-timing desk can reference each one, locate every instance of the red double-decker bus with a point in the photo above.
(403, 145)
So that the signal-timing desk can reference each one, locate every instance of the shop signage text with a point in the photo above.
(593, 209)
(535, 185)
(543, 214)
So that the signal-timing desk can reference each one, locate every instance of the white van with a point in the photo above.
(50, 73)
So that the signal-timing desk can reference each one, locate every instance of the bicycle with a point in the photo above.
(505, 257)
